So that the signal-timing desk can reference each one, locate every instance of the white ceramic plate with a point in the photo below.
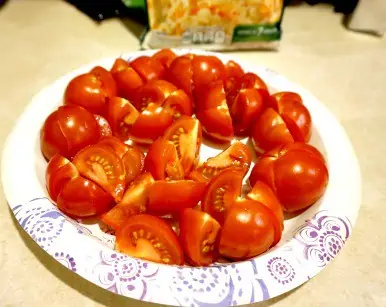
(310, 240)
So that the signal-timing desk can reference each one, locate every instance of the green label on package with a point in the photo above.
(253, 33)
(134, 3)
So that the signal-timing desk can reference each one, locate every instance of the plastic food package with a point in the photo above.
(214, 24)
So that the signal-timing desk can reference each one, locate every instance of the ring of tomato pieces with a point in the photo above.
(166, 207)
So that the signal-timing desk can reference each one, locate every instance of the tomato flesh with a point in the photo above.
(169, 197)
(104, 167)
(198, 236)
(134, 202)
(104, 126)
(150, 238)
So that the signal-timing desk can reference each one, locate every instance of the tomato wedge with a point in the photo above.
(198, 237)
(132, 157)
(237, 155)
(213, 113)
(155, 91)
(262, 193)
(150, 238)
(180, 73)
(121, 115)
(222, 192)
(178, 104)
(81, 198)
(206, 69)
(126, 78)
(250, 229)
(170, 197)
(270, 131)
(134, 202)
(162, 161)
(151, 124)
(233, 69)
(59, 171)
(103, 166)
(104, 126)
(186, 135)
(148, 68)
(246, 109)
(165, 57)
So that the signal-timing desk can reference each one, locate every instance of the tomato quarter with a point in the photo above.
(67, 130)
(165, 57)
(222, 192)
(148, 68)
(103, 166)
(297, 174)
(151, 238)
(178, 104)
(162, 161)
(134, 202)
(237, 155)
(104, 126)
(232, 69)
(198, 236)
(249, 230)
(154, 92)
(186, 135)
(170, 197)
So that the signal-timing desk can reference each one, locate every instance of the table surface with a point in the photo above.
(41, 40)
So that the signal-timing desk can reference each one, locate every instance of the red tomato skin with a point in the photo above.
(162, 158)
(262, 193)
(170, 197)
(165, 57)
(134, 202)
(195, 228)
(159, 229)
(270, 131)
(296, 172)
(147, 68)
(81, 198)
(67, 130)
(206, 69)
(91, 90)
(178, 104)
(59, 170)
(121, 115)
(249, 230)
(127, 79)
(233, 69)
(180, 73)
(155, 91)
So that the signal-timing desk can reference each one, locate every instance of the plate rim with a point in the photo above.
(276, 255)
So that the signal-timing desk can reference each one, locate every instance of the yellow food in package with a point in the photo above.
(214, 24)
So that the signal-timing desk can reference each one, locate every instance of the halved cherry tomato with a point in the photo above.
(104, 126)
(269, 131)
(148, 68)
(132, 157)
(170, 197)
(59, 171)
(295, 115)
(162, 161)
(180, 73)
(91, 90)
(222, 192)
(237, 155)
(178, 104)
(151, 124)
(198, 236)
(121, 115)
(67, 130)
(103, 166)
(296, 172)
(213, 113)
(206, 69)
(155, 91)
(246, 109)
(250, 229)
(186, 135)
(233, 69)
(134, 202)
(165, 57)
(82, 198)
(151, 238)
(126, 78)
(262, 193)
